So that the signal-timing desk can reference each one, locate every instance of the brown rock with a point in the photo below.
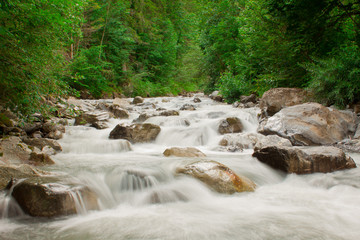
(230, 125)
(183, 152)
(43, 142)
(14, 151)
(40, 159)
(136, 133)
(40, 197)
(218, 177)
(277, 98)
(138, 100)
(216, 96)
(303, 160)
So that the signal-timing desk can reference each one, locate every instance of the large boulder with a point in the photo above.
(277, 98)
(13, 150)
(218, 177)
(8, 172)
(240, 141)
(136, 133)
(41, 197)
(230, 125)
(183, 152)
(310, 124)
(303, 160)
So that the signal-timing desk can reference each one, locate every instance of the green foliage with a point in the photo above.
(336, 80)
(89, 72)
(33, 35)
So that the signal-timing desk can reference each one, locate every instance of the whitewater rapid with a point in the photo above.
(141, 198)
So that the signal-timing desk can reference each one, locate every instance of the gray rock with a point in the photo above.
(188, 107)
(310, 124)
(216, 96)
(303, 160)
(230, 125)
(246, 99)
(277, 98)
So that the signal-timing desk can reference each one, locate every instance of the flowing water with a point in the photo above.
(140, 198)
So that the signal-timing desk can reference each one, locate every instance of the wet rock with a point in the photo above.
(138, 100)
(43, 142)
(349, 145)
(188, 107)
(42, 197)
(136, 133)
(249, 105)
(196, 100)
(218, 177)
(40, 159)
(92, 117)
(216, 96)
(123, 103)
(8, 172)
(230, 125)
(14, 151)
(165, 196)
(183, 152)
(119, 112)
(303, 160)
(168, 113)
(247, 99)
(357, 132)
(100, 125)
(240, 141)
(310, 124)
(144, 116)
(277, 98)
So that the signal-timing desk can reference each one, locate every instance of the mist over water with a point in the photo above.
(141, 198)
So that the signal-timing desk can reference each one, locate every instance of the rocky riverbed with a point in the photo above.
(191, 158)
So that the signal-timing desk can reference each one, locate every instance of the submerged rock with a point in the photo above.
(218, 177)
(40, 197)
(277, 98)
(230, 125)
(311, 124)
(136, 133)
(183, 152)
(188, 107)
(303, 160)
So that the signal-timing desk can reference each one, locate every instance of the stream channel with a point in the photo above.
(314, 206)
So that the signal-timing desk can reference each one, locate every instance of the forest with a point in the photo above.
(107, 48)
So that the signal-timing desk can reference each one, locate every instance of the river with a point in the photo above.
(140, 198)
